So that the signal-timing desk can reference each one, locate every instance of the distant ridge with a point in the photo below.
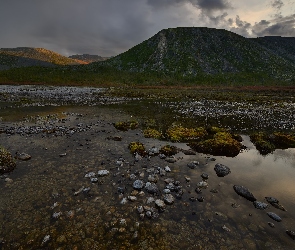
(89, 58)
(195, 51)
(27, 56)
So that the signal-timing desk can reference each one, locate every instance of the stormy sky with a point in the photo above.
(110, 27)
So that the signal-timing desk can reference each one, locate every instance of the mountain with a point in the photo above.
(89, 58)
(26, 56)
(194, 51)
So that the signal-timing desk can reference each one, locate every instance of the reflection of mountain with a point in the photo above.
(285, 155)
(89, 58)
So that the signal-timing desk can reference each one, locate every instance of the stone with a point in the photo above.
(193, 164)
(160, 204)
(138, 184)
(260, 205)
(132, 198)
(23, 157)
(102, 173)
(274, 216)
(169, 199)
(151, 188)
(167, 169)
(221, 170)
(244, 192)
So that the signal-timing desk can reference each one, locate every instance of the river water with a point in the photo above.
(43, 205)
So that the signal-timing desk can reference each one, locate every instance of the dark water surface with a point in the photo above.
(44, 187)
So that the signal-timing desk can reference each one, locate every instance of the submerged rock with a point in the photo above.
(193, 164)
(138, 184)
(275, 203)
(160, 204)
(23, 156)
(221, 170)
(169, 199)
(274, 216)
(244, 192)
(260, 205)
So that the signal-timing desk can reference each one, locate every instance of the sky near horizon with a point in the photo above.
(110, 27)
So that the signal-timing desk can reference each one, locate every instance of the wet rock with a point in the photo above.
(244, 192)
(102, 173)
(56, 215)
(271, 224)
(132, 177)
(187, 179)
(123, 201)
(170, 160)
(225, 228)
(188, 152)
(45, 240)
(23, 157)
(291, 234)
(198, 190)
(153, 178)
(193, 164)
(274, 216)
(160, 204)
(168, 180)
(94, 180)
(260, 205)
(151, 188)
(275, 203)
(8, 180)
(138, 184)
(192, 199)
(121, 190)
(221, 170)
(169, 199)
(166, 191)
(167, 169)
(153, 151)
(205, 176)
(202, 184)
(140, 209)
(150, 200)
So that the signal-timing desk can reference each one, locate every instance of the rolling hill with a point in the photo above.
(26, 56)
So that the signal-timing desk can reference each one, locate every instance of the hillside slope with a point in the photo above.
(26, 56)
(203, 51)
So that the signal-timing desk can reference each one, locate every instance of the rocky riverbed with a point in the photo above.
(81, 188)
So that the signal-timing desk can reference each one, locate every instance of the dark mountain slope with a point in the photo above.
(202, 51)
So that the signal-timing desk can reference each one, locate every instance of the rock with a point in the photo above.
(167, 169)
(271, 224)
(8, 180)
(202, 184)
(169, 199)
(132, 198)
(150, 200)
(193, 164)
(160, 204)
(275, 203)
(132, 177)
(221, 170)
(192, 199)
(140, 209)
(198, 190)
(123, 201)
(274, 216)
(244, 192)
(151, 188)
(153, 178)
(260, 205)
(63, 154)
(187, 179)
(162, 156)
(121, 190)
(166, 191)
(94, 180)
(168, 180)
(170, 160)
(225, 228)
(23, 157)
(102, 173)
(153, 151)
(138, 184)
(89, 175)
(204, 176)
(291, 234)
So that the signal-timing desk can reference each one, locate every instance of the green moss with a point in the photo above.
(181, 134)
(7, 163)
(137, 147)
(283, 140)
(168, 150)
(262, 143)
(222, 144)
(152, 133)
(124, 126)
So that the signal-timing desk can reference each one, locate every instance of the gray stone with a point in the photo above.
(138, 184)
(102, 173)
(160, 204)
(169, 199)
(221, 170)
(151, 188)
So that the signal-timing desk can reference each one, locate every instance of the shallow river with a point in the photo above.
(45, 202)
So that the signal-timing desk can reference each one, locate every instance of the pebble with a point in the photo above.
(244, 192)
(23, 157)
(89, 175)
(202, 184)
(160, 204)
(274, 216)
(132, 198)
(204, 176)
(167, 169)
(138, 184)
(291, 234)
(260, 205)
(102, 173)
(151, 188)
(193, 164)
(169, 199)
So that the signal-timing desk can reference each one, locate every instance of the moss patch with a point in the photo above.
(168, 150)
(7, 163)
(152, 133)
(137, 147)
(182, 134)
(222, 143)
(124, 126)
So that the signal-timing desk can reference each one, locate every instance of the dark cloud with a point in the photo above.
(282, 26)
(277, 4)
